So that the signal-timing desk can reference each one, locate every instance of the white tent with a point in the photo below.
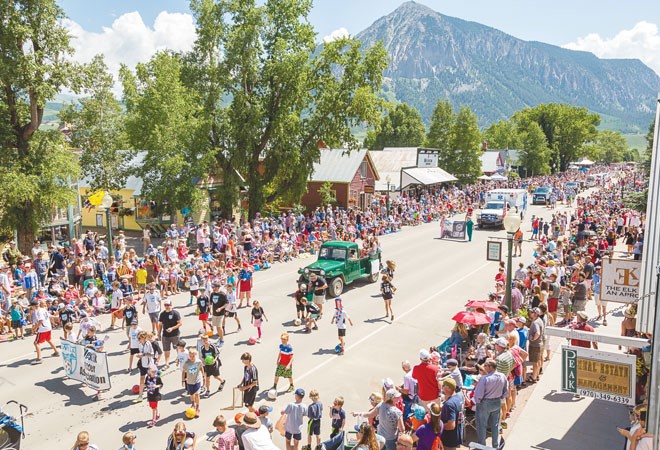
(498, 177)
(484, 177)
(585, 162)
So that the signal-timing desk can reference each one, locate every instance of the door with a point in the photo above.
(352, 265)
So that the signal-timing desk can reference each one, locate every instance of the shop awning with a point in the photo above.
(425, 176)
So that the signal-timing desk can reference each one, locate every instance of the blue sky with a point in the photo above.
(556, 22)
(608, 28)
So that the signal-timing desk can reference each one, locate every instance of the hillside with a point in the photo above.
(435, 56)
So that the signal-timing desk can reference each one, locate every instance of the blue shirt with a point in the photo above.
(451, 410)
(523, 334)
(491, 386)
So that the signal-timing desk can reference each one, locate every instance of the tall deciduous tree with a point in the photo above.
(611, 146)
(162, 123)
(534, 155)
(401, 127)
(502, 135)
(270, 95)
(464, 163)
(97, 127)
(567, 129)
(35, 167)
(441, 131)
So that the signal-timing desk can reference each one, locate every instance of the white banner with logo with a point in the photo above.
(86, 365)
(620, 280)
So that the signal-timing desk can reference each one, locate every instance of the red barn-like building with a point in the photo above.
(353, 176)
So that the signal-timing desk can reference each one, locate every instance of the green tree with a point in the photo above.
(328, 195)
(441, 131)
(534, 155)
(466, 147)
(567, 129)
(401, 127)
(270, 95)
(97, 127)
(35, 167)
(611, 146)
(161, 122)
(502, 135)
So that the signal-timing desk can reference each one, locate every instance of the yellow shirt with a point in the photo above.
(141, 276)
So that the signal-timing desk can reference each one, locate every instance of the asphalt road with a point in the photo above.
(434, 278)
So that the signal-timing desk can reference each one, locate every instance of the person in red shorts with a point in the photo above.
(245, 285)
(553, 300)
(203, 307)
(153, 385)
(42, 327)
(427, 381)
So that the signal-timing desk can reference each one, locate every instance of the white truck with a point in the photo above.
(492, 214)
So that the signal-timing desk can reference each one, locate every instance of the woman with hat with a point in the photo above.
(629, 324)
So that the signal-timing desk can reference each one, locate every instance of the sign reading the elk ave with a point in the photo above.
(620, 280)
(596, 374)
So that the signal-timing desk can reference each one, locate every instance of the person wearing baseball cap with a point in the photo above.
(427, 380)
(452, 372)
(295, 411)
(263, 412)
(583, 325)
(169, 323)
(452, 434)
(390, 423)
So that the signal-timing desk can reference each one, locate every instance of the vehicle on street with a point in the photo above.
(340, 263)
(541, 196)
(493, 212)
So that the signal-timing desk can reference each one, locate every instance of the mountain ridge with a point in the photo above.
(435, 56)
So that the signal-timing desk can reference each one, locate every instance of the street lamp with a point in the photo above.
(511, 225)
(387, 198)
(106, 202)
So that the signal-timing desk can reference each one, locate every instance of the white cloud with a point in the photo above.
(642, 41)
(129, 41)
(337, 34)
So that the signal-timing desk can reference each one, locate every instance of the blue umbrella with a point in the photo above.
(584, 169)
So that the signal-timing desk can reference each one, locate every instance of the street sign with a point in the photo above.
(597, 374)
(493, 251)
(620, 280)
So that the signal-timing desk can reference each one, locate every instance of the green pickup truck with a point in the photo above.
(339, 263)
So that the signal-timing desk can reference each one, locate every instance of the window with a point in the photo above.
(363, 169)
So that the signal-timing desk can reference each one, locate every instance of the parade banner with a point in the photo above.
(86, 365)
(453, 229)
(620, 280)
(596, 374)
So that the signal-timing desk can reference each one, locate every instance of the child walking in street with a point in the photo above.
(258, 316)
(284, 362)
(153, 385)
(388, 290)
(340, 318)
(231, 310)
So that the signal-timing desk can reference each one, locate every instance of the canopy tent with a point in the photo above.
(484, 178)
(498, 177)
(585, 162)
(425, 176)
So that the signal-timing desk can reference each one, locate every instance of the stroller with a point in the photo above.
(11, 432)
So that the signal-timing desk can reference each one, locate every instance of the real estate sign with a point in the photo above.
(620, 280)
(597, 374)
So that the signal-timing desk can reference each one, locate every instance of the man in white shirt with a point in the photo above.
(151, 304)
(256, 436)
(409, 387)
(41, 325)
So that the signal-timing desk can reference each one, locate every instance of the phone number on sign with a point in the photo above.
(606, 396)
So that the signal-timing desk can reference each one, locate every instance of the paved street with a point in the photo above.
(434, 279)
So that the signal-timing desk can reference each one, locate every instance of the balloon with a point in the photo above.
(209, 360)
(136, 389)
(190, 413)
(272, 394)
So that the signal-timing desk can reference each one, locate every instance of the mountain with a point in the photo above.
(434, 56)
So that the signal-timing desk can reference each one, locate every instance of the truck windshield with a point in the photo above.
(494, 205)
(332, 253)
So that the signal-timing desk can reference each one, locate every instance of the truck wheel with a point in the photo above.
(336, 287)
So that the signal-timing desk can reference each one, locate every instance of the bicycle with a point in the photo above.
(11, 432)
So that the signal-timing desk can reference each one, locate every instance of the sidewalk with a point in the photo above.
(555, 420)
